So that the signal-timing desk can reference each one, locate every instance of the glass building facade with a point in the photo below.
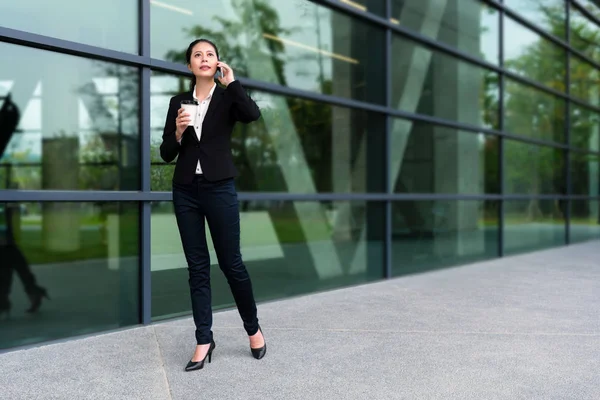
(397, 136)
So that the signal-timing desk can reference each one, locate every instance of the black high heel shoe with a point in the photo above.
(36, 296)
(195, 365)
(260, 352)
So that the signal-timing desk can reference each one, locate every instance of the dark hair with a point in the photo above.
(188, 56)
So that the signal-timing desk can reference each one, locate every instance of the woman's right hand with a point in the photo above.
(181, 122)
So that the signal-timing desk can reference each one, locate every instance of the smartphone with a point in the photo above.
(219, 73)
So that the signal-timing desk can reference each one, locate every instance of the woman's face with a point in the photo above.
(203, 62)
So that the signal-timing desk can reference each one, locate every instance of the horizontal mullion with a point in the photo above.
(78, 49)
(532, 26)
(68, 47)
(405, 32)
(459, 54)
(585, 12)
(357, 104)
(105, 196)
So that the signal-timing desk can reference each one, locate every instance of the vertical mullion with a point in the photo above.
(144, 102)
(501, 157)
(567, 127)
(388, 125)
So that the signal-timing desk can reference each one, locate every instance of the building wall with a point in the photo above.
(397, 136)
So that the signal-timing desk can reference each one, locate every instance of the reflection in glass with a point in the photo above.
(291, 43)
(532, 169)
(533, 225)
(429, 158)
(529, 54)
(433, 83)
(298, 145)
(549, 15)
(85, 255)
(289, 248)
(585, 174)
(79, 124)
(440, 233)
(584, 33)
(533, 113)
(585, 79)
(111, 24)
(585, 220)
(372, 6)
(585, 128)
(467, 25)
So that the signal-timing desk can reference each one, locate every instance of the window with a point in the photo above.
(112, 24)
(79, 123)
(430, 234)
(429, 158)
(433, 83)
(86, 256)
(468, 25)
(297, 146)
(291, 43)
(289, 248)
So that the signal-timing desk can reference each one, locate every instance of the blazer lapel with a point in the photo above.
(214, 102)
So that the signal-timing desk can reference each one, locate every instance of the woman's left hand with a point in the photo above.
(226, 74)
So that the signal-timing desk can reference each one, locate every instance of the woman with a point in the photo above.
(203, 188)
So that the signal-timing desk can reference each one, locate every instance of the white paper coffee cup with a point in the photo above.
(190, 107)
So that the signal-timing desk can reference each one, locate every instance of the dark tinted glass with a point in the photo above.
(534, 224)
(78, 123)
(85, 256)
(298, 146)
(439, 233)
(433, 83)
(289, 248)
(292, 43)
(429, 158)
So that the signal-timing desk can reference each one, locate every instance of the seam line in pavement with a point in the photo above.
(589, 334)
(162, 360)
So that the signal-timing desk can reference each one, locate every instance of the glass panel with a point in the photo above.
(297, 146)
(591, 5)
(585, 128)
(373, 6)
(585, 220)
(585, 175)
(433, 83)
(297, 44)
(533, 225)
(430, 158)
(585, 79)
(584, 33)
(440, 233)
(529, 54)
(289, 248)
(549, 15)
(111, 24)
(84, 255)
(532, 169)
(467, 25)
(533, 113)
(78, 124)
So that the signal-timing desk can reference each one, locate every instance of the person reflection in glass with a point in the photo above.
(14, 260)
(203, 189)
(11, 257)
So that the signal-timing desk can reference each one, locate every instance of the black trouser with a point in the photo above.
(218, 203)
(13, 260)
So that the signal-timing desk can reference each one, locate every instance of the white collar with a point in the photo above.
(209, 94)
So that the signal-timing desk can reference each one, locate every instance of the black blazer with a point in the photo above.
(227, 107)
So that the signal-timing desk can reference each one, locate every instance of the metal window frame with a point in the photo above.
(146, 65)
(567, 127)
